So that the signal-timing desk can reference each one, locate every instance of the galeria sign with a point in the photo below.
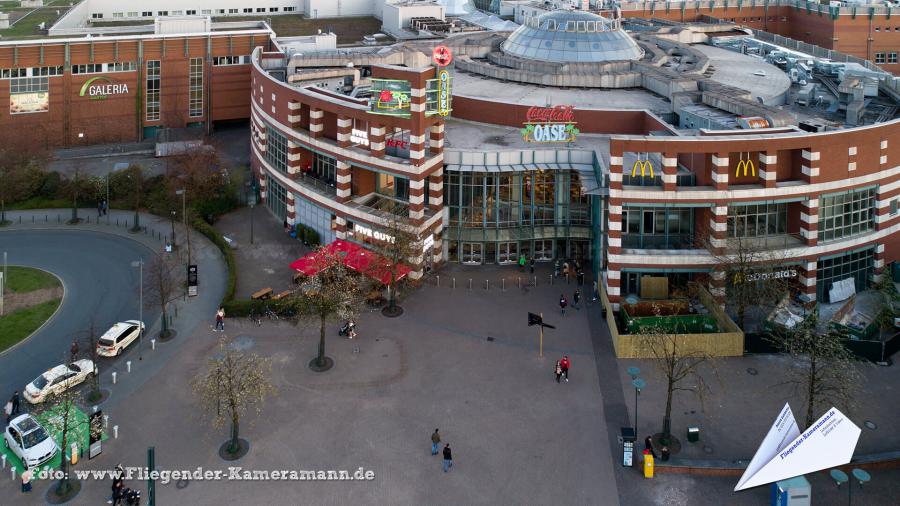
(100, 87)
(550, 124)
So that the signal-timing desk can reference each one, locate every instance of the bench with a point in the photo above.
(264, 293)
(297, 277)
(281, 295)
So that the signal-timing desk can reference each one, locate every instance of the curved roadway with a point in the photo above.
(100, 284)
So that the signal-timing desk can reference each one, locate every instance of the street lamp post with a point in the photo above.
(639, 384)
(173, 230)
(140, 264)
(187, 233)
(106, 208)
(251, 201)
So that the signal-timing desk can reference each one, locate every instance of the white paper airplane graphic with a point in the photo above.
(786, 453)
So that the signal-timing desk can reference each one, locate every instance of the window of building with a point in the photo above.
(195, 88)
(393, 186)
(846, 214)
(858, 265)
(276, 149)
(892, 57)
(276, 198)
(153, 87)
(118, 14)
(232, 11)
(323, 168)
(206, 11)
(97, 15)
(29, 85)
(100, 68)
(132, 14)
(757, 220)
(877, 28)
(654, 228)
(273, 9)
(894, 206)
(231, 60)
(880, 57)
(147, 14)
(260, 9)
(191, 12)
(288, 9)
(248, 10)
(220, 11)
(163, 13)
(177, 13)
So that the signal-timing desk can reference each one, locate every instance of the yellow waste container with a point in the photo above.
(648, 466)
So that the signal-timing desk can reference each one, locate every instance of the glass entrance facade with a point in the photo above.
(276, 198)
(858, 265)
(495, 217)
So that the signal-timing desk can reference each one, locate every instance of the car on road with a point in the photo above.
(118, 338)
(29, 440)
(58, 379)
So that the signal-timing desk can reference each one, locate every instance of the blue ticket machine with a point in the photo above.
(792, 492)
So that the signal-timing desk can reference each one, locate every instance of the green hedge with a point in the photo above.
(242, 307)
(217, 239)
(306, 234)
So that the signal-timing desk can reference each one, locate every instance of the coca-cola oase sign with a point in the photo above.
(550, 124)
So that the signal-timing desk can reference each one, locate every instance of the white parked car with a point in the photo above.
(58, 380)
(118, 338)
(29, 440)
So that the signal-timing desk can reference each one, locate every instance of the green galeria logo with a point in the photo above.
(101, 87)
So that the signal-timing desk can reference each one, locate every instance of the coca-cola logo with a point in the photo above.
(559, 114)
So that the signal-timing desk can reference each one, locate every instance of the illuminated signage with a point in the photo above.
(747, 165)
(550, 124)
(26, 103)
(442, 56)
(101, 87)
(427, 243)
(390, 97)
(740, 277)
(396, 143)
(373, 234)
(644, 166)
(360, 137)
(443, 108)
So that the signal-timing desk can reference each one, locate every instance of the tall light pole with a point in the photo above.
(639, 384)
(251, 201)
(106, 208)
(187, 233)
(173, 230)
(140, 264)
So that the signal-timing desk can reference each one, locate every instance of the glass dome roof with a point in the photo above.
(572, 36)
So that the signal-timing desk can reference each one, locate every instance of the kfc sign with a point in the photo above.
(396, 143)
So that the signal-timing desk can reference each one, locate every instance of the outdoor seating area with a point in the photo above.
(353, 256)
(262, 294)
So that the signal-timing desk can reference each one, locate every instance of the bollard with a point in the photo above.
(96, 408)
(487, 285)
(3, 458)
(105, 421)
(454, 283)
(117, 222)
(153, 344)
(115, 432)
(470, 283)
(45, 218)
(128, 365)
(535, 281)
(551, 279)
(519, 282)
(438, 280)
(503, 285)
(114, 377)
(12, 471)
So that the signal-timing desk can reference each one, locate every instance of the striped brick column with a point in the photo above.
(670, 171)
(718, 230)
(614, 285)
(810, 167)
(809, 221)
(883, 201)
(436, 189)
(376, 140)
(260, 138)
(294, 113)
(294, 156)
(719, 174)
(436, 139)
(291, 210)
(882, 160)
(613, 280)
(340, 227)
(717, 284)
(262, 187)
(416, 202)
(437, 252)
(879, 261)
(316, 123)
(417, 149)
(344, 127)
(417, 100)
(344, 181)
(807, 281)
(768, 161)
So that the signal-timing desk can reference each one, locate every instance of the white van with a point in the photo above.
(118, 338)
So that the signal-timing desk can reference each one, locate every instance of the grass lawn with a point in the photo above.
(28, 25)
(348, 30)
(26, 279)
(20, 324)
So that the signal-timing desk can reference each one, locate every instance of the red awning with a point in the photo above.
(355, 257)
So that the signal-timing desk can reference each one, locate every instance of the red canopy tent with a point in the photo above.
(354, 257)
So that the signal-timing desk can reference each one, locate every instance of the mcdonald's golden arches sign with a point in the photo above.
(644, 165)
(747, 165)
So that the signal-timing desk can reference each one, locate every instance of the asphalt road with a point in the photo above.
(100, 285)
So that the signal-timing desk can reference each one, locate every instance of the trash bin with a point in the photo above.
(693, 434)
(648, 465)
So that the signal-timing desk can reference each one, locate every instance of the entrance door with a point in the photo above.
(543, 249)
(507, 252)
(471, 252)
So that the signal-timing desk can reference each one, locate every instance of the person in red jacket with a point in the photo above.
(564, 364)
(563, 302)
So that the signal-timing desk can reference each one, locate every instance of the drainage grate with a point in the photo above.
(490, 338)
(870, 425)
(752, 372)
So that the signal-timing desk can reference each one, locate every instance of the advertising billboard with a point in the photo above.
(26, 103)
(550, 124)
(437, 95)
(390, 97)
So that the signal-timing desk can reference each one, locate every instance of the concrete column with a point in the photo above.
(291, 209)
(879, 261)
(670, 171)
(344, 181)
(883, 201)
(436, 190)
(376, 140)
(717, 283)
(720, 171)
(294, 158)
(316, 123)
(417, 148)
(718, 230)
(807, 281)
(294, 113)
(344, 127)
(809, 221)
(340, 227)
(768, 161)
(613, 285)
(417, 201)
(436, 139)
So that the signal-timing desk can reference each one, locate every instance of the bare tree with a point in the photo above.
(331, 294)
(822, 370)
(75, 191)
(165, 284)
(677, 362)
(401, 246)
(233, 384)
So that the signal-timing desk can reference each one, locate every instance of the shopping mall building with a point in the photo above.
(637, 152)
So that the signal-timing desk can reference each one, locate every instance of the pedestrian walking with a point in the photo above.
(648, 445)
(531, 264)
(99, 208)
(521, 263)
(595, 294)
(558, 371)
(435, 441)
(576, 297)
(7, 410)
(220, 320)
(118, 496)
(566, 271)
(448, 458)
(564, 364)
(15, 402)
(562, 304)
(74, 349)
(118, 482)
(26, 479)
(105, 207)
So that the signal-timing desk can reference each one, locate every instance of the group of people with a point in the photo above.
(12, 406)
(523, 260)
(564, 302)
(562, 368)
(447, 453)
